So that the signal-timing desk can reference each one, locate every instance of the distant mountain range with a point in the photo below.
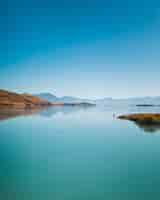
(12, 99)
(65, 99)
(47, 96)
(105, 101)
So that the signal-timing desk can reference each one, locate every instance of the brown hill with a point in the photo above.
(14, 100)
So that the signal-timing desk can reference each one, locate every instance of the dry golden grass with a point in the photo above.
(148, 118)
(14, 100)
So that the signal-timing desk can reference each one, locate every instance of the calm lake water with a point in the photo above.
(79, 154)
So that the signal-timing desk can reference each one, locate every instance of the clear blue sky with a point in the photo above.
(85, 48)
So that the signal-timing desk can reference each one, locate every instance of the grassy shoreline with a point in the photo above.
(143, 118)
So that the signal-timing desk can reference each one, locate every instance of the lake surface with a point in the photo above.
(79, 154)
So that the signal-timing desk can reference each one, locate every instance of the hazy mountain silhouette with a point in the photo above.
(104, 101)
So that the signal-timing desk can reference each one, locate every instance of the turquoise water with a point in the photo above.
(78, 154)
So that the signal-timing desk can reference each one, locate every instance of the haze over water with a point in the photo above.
(78, 153)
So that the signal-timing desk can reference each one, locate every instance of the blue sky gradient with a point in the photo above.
(87, 48)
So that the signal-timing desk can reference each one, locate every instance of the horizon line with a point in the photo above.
(79, 97)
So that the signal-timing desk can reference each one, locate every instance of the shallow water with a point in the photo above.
(80, 154)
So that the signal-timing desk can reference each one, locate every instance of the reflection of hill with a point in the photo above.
(11, 113)
(44, 112)
(50, 112)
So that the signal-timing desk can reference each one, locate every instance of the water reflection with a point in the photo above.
(12, 113)
(49, 112)
(44, 112)
(150, 128)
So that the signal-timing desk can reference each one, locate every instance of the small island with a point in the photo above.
(145, 105)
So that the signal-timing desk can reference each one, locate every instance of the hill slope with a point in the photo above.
(14, 100)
